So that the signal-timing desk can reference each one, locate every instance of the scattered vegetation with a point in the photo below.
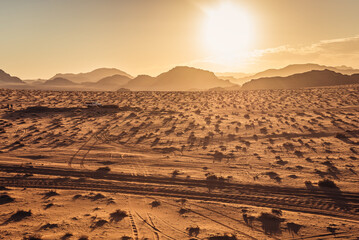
(50, 194)
(4, 198)
(117, 216)
(49, 226)
(66, 236)
(155, 203)
(18, 216)
(223, 237)
(193, 231)
(98, 224)
(183, 211)
(32, 237)
(271, 224)
(327, 184)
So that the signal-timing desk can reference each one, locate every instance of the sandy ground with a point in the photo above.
(275, 137)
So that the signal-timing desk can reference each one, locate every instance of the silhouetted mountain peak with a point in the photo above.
(314, 78)
(114, 80)
(59, 82)
(7, 78)
(92, 76)
(182, 78)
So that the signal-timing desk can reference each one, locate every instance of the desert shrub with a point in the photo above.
(125, 238)
(341, 136)
(293, 228)
(277, 212)
(270, 223)
(183, 211)
(34, 237)
(155, 203)
(97, 197)
(6, 199)
(274, 176)
(103, 170)
(66, 236)
(48, 226)
(247, 218)
(18, 216)
(223, 237)
(193, 231)
(77, 196)
(48, 206)
(83, 238)
(50, 194)
(117, 216)
(175, 173)
(326, 183)
(98, 224)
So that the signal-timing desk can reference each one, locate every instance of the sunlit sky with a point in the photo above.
(40, 38)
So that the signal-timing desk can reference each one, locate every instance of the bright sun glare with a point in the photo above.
(228, 31)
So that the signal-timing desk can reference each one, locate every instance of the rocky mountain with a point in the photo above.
(92, 76)
(6, 78)
(187, 78)
(315, 78)
(59, 82)
(113, 81)
(294, 69)
(141, 83)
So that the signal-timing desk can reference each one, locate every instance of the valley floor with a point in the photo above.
(269, 139)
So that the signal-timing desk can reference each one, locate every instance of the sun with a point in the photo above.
(228, 31)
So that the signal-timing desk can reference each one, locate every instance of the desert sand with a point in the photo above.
(262, 164)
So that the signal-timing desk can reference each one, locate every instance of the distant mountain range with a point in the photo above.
(314, 78)
(59, 81)
(8, 79)
(293, 69)
(92, 76)
(141, 83)
(187, 78)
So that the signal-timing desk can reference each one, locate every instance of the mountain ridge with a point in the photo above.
(8, 79)
(314, 78)
(92, 76)
(293, 69)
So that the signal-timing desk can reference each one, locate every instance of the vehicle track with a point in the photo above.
(241, 188)
(133, 226)
(229, 217)
(281, 202)
(217, 222)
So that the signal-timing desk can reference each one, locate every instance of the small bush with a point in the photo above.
(193, 231)
(103, 170)
(49, 226)
(34, 237)
(77, 196)
(175, 173)
(117, 216)
(48, 206)
(183, 211)
(6, 199)
(18, 216)
(50, 194)
(98, 224)
(224, 237)
(270, 223)
(97, 197)
(155, 203)
(66, 236)
(326, 183)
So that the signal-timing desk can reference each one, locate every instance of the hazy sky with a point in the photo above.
(42, 37)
